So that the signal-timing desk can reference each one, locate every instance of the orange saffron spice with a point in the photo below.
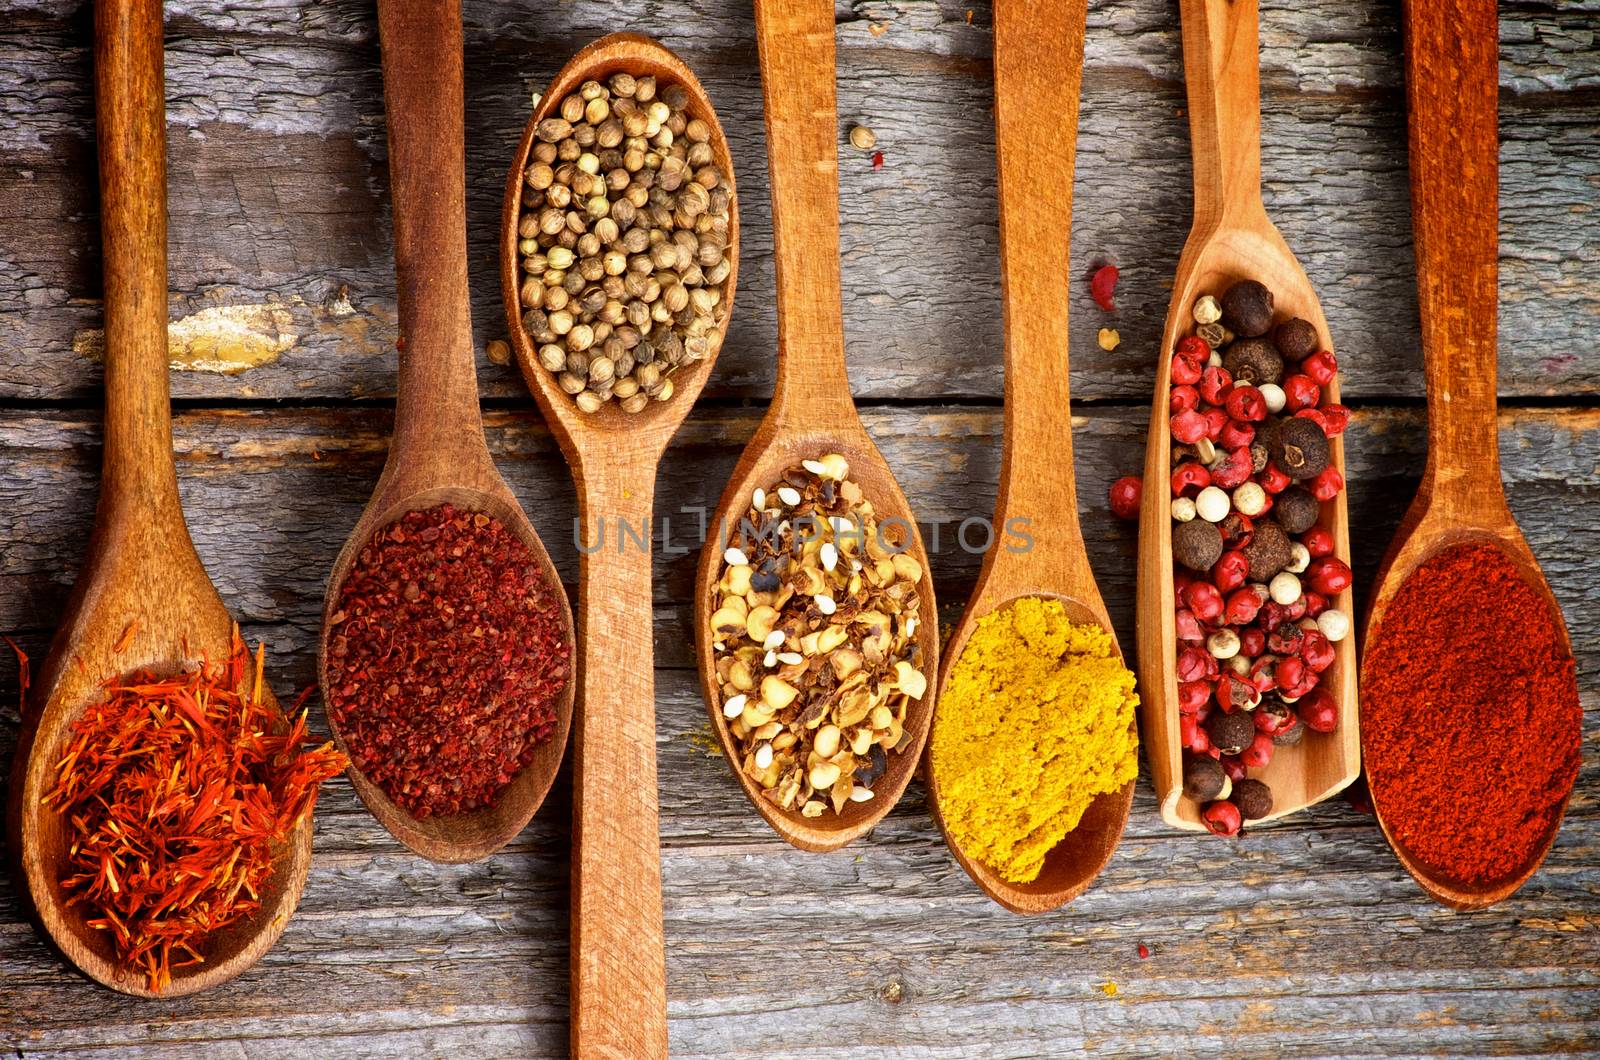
(177, 790)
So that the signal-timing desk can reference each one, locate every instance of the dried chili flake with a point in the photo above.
(448, 651)
(1103, 286)
(177, 789)
(877, 160)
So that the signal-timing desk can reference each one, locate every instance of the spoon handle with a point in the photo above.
(436, 407)
(1452, 71)
(139, 478)
(619, 991)
(1221, 67)
(797, 79)
(1038, 65)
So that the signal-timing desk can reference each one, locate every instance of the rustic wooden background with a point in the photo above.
(1305, 938)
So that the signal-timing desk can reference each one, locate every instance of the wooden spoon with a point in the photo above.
(619, 994)
(811, 413)
(1452, 85)
(438, 454)
(1038, 64)
(1231, 239)
(142, 573)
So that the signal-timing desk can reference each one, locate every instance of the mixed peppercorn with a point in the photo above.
(1254, 573)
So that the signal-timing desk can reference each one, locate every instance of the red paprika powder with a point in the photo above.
(446, 656)
(1470, 720)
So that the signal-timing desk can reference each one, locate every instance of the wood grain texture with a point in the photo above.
(1305, 939)
(1450, 84)
(1038, 63)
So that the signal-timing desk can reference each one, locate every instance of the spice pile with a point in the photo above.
(176, 789)
(446, 655)
(1034, 722)
(815, 639)
(624, 241)
(1470, 719)
(1254, 575)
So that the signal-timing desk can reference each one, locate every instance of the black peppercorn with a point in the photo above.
(1253, 798)
(1298, 446)
(1203, 779)
(1247, 309)
(1268, 551)
(1253, 361)
(1296, 510)
(1196, 544)
(1230, 733)
(1296, 339)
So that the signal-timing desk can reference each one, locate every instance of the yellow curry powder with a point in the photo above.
(1034, 722)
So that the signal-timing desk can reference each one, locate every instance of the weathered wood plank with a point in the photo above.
(279, 188)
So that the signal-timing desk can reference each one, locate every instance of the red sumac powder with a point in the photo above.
(447, 653)
(1470, 721)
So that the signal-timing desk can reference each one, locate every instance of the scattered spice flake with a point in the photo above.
(1109, 339)
(1109, 988)
(1144, 952)
(126, 638)
(969, 16)
(176, 789)
(878, 29)
(1103, 285)
(877, 160)
(24, 679)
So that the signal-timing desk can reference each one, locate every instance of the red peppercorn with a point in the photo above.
(1236, 435)
(1215, 384)
(1315, 416)
(1205, 601)
(1187, 625)
(1259, 754)
(1125, 495)
(1216, 419)
(1188, 427)
(1318, 711)
(1102, 285)
(1300, 392)
(1329, 576)
(1252, 642)
(1274, 480)
(1241, 608)
(1318, 541)
(1273, 615)
(1247, 403)
(1316, 650)
(1316, 603)
(1273, 720)
(1194, 347)
(1321, 367)
(1195, 664)
(1144, 952)
(1327, 484)
(1233, 767)
(1185, 370)
(1192, 735)
(1285, 640)
(1230, 571)
(1223, 818)
(1187, 476)
(1192, 695)
(1297, 610)
(1295, 678)
(1335, 418)
(1264, 673)
(1237, 530)
(1234, 471)
(1183, 397)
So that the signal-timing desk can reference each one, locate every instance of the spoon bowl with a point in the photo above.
(142, 600)
(811, 413)
(616, 862)
(1452, 91)
(438, 454)
(1038, 61)
(1232, 239)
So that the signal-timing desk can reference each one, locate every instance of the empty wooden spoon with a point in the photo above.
(142, 573)
(811, 413)
(1038, 64)
(1231, 239)
(438, 454)
(1452, 85)
(619, 994)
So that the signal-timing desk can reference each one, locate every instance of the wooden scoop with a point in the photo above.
(142, 573)
(1038, 64)
(438, 454)
(811, 413)
(1452, 83)
(619, 994)
(1231, 239)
